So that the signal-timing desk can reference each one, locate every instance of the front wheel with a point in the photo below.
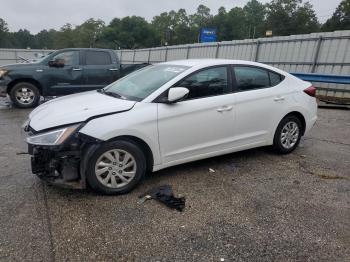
(25, 95)
(116, 167)
(288, 134)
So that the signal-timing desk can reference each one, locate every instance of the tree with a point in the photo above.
(237, 26)
(65, 37)
(130, 32)
(164, 26)
(340, 19)
(46, 39)
(3, 33)
(255, 13)
(202, 17)
(23, 39)
(88, 33)
(283, 17)
(286, 17)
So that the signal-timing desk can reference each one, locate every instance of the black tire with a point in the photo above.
(278, 145)
(32, 100)
(122, 145)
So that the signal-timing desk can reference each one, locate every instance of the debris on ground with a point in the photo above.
(211, 170)
(164, 194)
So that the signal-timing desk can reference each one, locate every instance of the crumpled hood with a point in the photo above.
(75, 108)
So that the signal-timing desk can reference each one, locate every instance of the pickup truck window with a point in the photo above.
(69, 58)
(97, 58)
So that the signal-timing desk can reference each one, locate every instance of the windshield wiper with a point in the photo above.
(109, 93)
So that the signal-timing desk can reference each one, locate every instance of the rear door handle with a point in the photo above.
(278, 98)
(224, 108)
(76, 69)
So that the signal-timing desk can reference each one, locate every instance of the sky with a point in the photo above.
(36, 15)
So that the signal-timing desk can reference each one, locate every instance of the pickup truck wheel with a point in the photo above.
(116, 167)
(25, 95)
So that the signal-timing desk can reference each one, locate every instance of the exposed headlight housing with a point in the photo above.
(52, 138)
(3, 72)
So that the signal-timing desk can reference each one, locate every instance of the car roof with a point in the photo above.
(199, 63)
(206, 62)
(85, 48)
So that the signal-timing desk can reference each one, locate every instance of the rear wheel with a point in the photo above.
(25, 95)
(116, 167)
(288, 134)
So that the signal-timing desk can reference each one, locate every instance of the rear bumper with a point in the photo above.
(310, 124)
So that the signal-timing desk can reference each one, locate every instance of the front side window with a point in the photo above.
(68, 58)
(205, 83)
(140, 84)
(97, 58)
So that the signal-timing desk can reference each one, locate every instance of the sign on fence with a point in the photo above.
(208, 35)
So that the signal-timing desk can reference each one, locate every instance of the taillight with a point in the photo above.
(311, 91)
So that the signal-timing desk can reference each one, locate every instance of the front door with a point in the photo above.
(67, 79)
(203, 123)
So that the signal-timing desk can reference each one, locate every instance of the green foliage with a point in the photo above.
(286, 17)
(340, 19)
(283, 17)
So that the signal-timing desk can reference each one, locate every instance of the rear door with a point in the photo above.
(261, 99)
(100, 69)
(67, 79)
(203, 123)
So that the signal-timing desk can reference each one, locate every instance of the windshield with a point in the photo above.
(140, 84)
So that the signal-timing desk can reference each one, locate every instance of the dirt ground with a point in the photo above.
(256, 206)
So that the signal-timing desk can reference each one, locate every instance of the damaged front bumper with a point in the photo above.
(63, 165)
(57, 167)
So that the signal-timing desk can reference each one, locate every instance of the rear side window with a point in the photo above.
(205, 83)
(97, 58)
(248, 78)
(275, 78)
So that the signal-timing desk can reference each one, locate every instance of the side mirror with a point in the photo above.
(56, 63)
(177, 93)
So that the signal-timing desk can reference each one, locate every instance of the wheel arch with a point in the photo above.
(142, 144)
(25, 80)
(300, 116)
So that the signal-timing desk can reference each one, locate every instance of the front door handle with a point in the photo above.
(113, 69)
(278, 98)
(76, 69)
(224, 108)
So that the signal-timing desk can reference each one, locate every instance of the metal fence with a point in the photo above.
(321, 53)
(12, 56)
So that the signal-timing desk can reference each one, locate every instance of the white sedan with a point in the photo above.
(164, 115)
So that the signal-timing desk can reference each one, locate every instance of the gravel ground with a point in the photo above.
(256, 206)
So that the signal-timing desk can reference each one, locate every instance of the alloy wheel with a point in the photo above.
(25, 95)
(289, 134)
(115, 168)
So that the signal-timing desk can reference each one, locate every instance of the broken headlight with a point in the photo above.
(52, 138)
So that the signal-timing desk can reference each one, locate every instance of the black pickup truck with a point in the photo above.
(62, 72)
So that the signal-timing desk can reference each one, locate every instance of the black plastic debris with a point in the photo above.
(164, 194)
